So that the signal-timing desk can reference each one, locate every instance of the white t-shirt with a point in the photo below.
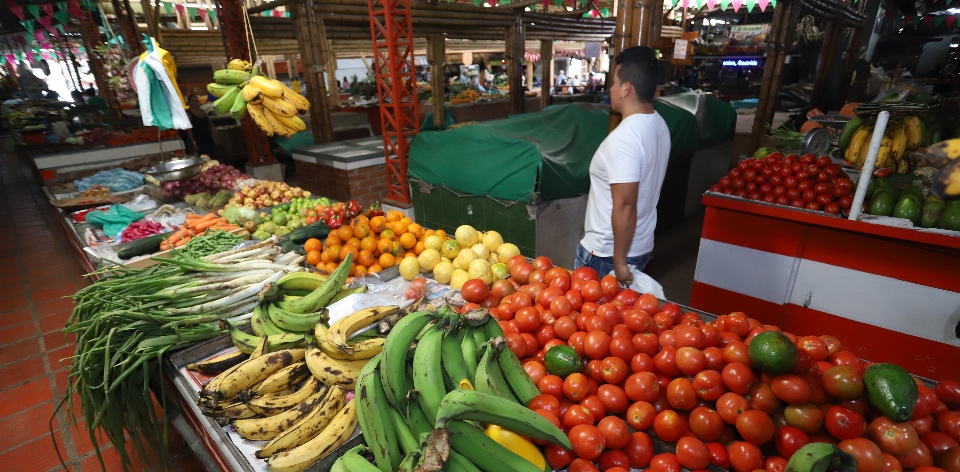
(636, 151)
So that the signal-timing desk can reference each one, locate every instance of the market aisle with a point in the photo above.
(37, 269)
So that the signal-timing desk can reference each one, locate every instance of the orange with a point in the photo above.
(361, 231)
(332, 239)
(394, 215)
(312, 244)
(331, 266)
(419, 247)
(361, 220)
(353, 242)
(441, 233)
(384, 246)
(387, 234)
(333, 252)
(396, 250)
(377, 224)
(369, 243)
(427, 233)
(416, 229)
(359, 271)
(406, 219)
(400, 227)
(345, 232)
(374, 269)
(313, 257)
(324, 257)
(408, 254)
(387, 260)
(408, 240)
(348, 249)
(365, 258)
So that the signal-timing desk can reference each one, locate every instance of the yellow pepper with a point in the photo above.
(520, 445)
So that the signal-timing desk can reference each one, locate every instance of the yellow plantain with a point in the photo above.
(333, 371)
(292, 122)
(333, 436)
(270, 88)
(309, 427)
(279, 107)
(341, 330)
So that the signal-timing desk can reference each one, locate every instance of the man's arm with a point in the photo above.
(624, 223)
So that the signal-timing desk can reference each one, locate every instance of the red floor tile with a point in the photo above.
(16, 352)
(45, 271)
(21, 372)
(40, 454)
(26, 426)
(12, 318)
(60, 379)
(81, 438)
(61, 358)
(12, 303)
(53, 292)
(10, 262)
(56, 340)
(55, 306)
(10, 282)
(55, 322)
(16, 333)
(25, 396)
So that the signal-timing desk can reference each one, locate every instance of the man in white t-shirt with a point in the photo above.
(626, 173)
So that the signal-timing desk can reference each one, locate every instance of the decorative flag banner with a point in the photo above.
(927, 20)
(34, 10)
(45, 56)
(168, 7)
(286, 14)
(61, 15)
(41, 39)
(180, 8)
(73, 8)
(675, 2)
(750, 4)
(60, 29)
(950, 19)
(724, 4)
(28, 25)
(213, 15)
(16, 9)
(20, 56)
(915, 20)
(47, 23)
(711, 4)
(763, 4)
(736, 4)
(686, 3)
(11, 59)
(204, 15)
(191, 12)
(938, 21)
(29, 56)
(47, 8)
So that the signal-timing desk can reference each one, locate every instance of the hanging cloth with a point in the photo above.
(161, 104)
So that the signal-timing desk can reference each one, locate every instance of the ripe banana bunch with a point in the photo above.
(900, 138)
(239, 64)
(856, 150)
(274, 106)
(945, 156)
(401, 399)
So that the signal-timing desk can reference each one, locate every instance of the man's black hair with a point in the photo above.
(639, 67)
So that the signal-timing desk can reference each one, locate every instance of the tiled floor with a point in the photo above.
(37, 269)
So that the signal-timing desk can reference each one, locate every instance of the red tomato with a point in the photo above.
(745, 457)
(719, 455)
(665, 462)
(595, 405)
(689, 336)
(575, 387)
(585, 273)
(736, 351)
(627, 297)
(558, 457)
(623, 348)
(730, 405)
(528, 319)
(843, 382)
(614, 370)
(762, 398)
(844, 424)
(868, 455)
(646, 343)
(615, 432)
(709, 385)
(668, 426)
(613, 460)
(588, 442)
(949, 460)
(755, 427)
(597, 345)
(919, 457)
(610, 285)
(648, 303)
(738, 378)
(640, 415)
(681, 394)
(806, 417)
(591, 291)
(791, 389)
(551, 385)
(639, 449)
(614, 398)
(788, 439)
(691, 360)
(938, 442)
(582, 465)
(948, 423)
(545, 402)
(517, 344)
(642, 386)
(535, 370)
(666, 361)
(706, 424)
(692, 453)
(893, 438)
(775, 464)
(560, 306)
(474, 291)
(610, 312)
(577, 415)
(948, 391)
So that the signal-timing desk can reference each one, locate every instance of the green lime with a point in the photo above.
(772, 352)
(562, 361)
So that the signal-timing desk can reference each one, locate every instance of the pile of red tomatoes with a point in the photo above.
(810, 182)
(649, 368)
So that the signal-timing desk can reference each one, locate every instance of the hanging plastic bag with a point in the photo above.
(643, 283)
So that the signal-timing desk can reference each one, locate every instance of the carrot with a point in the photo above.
(164, 246)
(180, 243)
(199, 227)
(176, 236)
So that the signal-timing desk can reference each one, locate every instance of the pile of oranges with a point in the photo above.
(376, 243)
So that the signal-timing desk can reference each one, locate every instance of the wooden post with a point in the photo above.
(128, 25)
(91, 39)
(332, 82)
(467, 57)
(269, 62)
(528, 72)
(310, 36)
(514, 58)
(828, 53)
(366, 63)
(784, 21)
(546, 66)
(436, 57)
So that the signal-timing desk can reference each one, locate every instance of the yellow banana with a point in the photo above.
(252, 371)
(898, 138)
(279, 107)
(287, 377)
(259, 116)
(333, 436)
(361, 350)
(270, 88)
(268, 428)
(239, 64)
(914, 132)
(301, 281)
(277, 126)
(940, 154)
(856, 150)
(251, 94)
(292, 122)
(294, 97)
(883, 155)
(342, 329)
(333, 371)
(274, 405)
(309, 427)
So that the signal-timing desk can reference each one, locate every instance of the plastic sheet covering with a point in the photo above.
(716, 119)
(117, 180)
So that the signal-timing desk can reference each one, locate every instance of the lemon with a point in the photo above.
(507, 250)
(492, 240)
(409, 268)
(466, 236)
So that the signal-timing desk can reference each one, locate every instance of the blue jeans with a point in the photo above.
(604, 265)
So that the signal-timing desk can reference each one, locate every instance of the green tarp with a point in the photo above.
(717, 119)
(505, 159)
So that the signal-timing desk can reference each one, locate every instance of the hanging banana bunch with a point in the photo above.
(241, 89)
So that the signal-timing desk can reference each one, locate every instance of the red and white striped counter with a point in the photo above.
(889, 294)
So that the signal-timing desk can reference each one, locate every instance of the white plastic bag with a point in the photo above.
(643, 283)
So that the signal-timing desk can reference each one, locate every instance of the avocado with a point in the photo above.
(884, 184)
(915, 193)
(907, 208)
(891, 390)
(930, 215)
(871, 187)
(950, 218)
(882, 203)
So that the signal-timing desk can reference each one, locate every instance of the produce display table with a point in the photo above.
(53, 164)
(893, 292)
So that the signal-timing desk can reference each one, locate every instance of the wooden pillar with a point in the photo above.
(467, 57)
(784, 21)
(514, 55)
(436, 57)
(625, 35)
(128, 26)
(528, 72)
(546, 66)
(269, 64)
(828, 54)
(852, 55)
(151, 16)
(91, 39)
(332, 80)
(308, 30)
